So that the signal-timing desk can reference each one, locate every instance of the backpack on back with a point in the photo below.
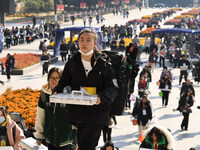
(126, 72)
(17, 117)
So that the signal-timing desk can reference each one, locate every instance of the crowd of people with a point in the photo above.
(88, 67)
(27, 34)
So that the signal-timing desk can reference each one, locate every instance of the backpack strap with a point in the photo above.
(14, 131)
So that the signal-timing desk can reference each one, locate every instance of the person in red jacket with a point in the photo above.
(142, 85)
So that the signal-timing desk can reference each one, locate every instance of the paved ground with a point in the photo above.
(124, 135)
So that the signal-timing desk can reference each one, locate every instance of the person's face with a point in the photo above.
(184, 58)
(166, 76)
(154, 137)
(53, 80)
(87, 42)
(146, 68)
(109, 148)
(188, 93)
(144, 100)
(188, 82)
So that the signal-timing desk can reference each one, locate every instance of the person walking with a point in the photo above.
(87, 68)
(63, 50)
(7, 127)
(84, 20)
(165, 87)
(145, 72)
(142, 86)
(107, 131)
(185, 104)
(51, 122)
(153, 59)
(187, 86)
(143, 112)
(8, 65)
(147, 45)
(162, 55)
(184, 65)
(45, 59)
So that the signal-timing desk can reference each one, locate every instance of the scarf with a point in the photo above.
(4, 138)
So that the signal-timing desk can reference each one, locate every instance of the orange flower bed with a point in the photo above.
(190, 13)
(24, 60)
(146, 32)
(23, 101)
(173, 22)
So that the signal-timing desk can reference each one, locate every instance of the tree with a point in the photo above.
(32, 6)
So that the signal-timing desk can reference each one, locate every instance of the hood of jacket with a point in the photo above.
(46, 89)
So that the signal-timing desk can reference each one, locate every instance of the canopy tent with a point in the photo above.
(171, 30)
(176, 30)
(60, 33)
(1, 46)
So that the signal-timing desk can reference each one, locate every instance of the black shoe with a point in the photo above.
(186, 129)
(181, 127)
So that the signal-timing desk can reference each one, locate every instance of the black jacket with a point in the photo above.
(148, 74)
(181, 62)
(184, 101)
(164, 82)
(138, 110)
(101, 77)
(186, 87)
(151, 58)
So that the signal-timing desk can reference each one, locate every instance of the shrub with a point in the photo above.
(24, 60)
(23, 101)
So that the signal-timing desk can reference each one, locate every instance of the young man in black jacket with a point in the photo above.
(184, 65)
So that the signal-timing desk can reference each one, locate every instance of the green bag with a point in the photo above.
(160, 94)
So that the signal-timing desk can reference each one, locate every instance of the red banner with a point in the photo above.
(101, 3)
(60, 7)
(126, 1)
(83, 5)
(115, 2)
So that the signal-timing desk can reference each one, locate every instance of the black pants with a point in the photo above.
(63, 55)
(185, 120)
(183, 73)
(107, 134)
(162, 59)
(8, 73)
(175, 62)
(128, 102)
(165, 98)
(52, 147)
(88, 135)
(44, 70)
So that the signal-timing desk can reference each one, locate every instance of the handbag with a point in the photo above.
(160, 93)
(134, 122)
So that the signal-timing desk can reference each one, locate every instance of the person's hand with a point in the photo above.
(98, 100)
(54, 93)
(38, 142)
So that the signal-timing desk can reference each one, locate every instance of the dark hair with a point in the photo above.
(157, 132)
(109, 143)
(54, 69)
(192, 148)
(88, 30)
(165, 67)
(4, 111)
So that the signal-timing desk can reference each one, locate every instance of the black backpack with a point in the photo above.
(17, 117)
(126, 72)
